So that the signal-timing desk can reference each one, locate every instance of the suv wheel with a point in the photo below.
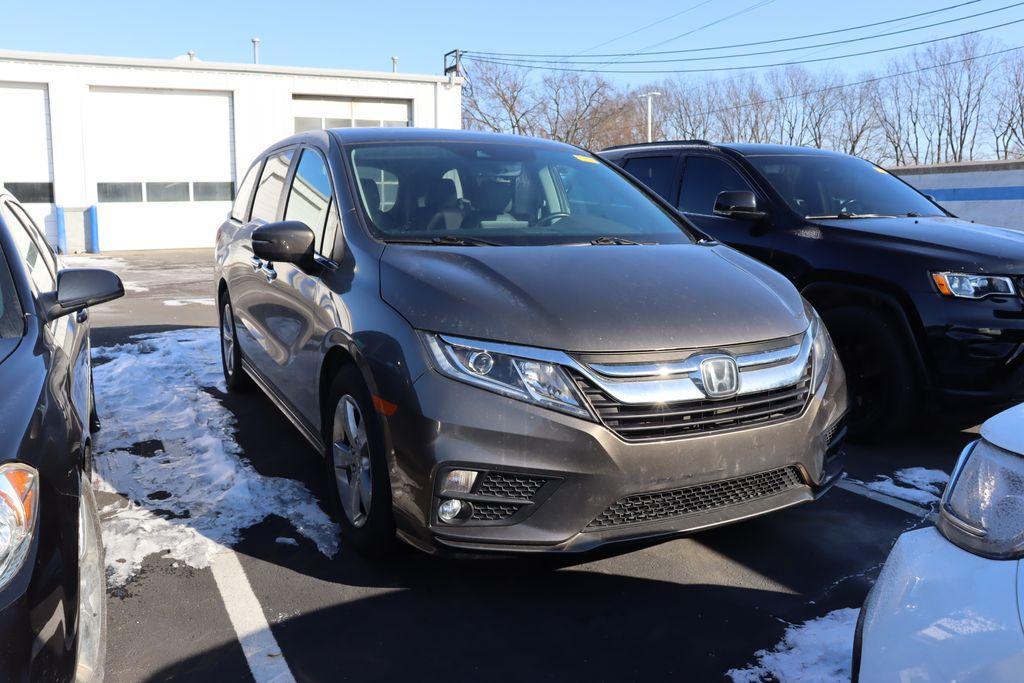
(879, 371)
(357, 468)
(230, 355)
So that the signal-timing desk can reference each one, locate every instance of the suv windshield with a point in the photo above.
(826, 186)
(505, 194)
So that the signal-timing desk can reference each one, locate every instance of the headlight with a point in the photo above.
(822, 350)
(19, 496)
(531, 380)
(983, 507)
(966, 286)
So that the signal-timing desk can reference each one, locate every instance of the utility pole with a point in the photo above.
(255, 50)
(453, 63)
(650, 112)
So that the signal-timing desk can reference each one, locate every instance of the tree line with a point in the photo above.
(953, 101)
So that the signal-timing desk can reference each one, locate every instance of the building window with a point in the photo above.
(167, 192)
(119, 192)
(212, 192)
(31, 193)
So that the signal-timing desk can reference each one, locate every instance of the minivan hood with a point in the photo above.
(592, 298)
(960, 243)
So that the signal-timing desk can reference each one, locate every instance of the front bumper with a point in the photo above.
(443, 424)
(940, 613)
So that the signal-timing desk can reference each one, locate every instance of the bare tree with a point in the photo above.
(579, 109)
(499, 99)
(957, 90)
(1007, 118)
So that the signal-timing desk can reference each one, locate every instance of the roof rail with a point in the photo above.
(703, 143)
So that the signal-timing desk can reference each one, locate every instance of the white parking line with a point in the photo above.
(262, 653)
(885, 499)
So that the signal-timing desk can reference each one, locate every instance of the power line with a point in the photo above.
(531, 62)
(725, 47)
(747, 67)
(642, 28)
(874, 79)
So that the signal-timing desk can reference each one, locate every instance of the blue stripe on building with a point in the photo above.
(976, 194)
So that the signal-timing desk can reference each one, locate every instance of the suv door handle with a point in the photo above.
(82, 316)
(268, 270)
(256, 263)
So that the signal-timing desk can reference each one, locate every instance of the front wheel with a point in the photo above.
(230, 355)
(356, 466)
(883, 386)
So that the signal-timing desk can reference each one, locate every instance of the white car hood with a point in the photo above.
(1006, 430)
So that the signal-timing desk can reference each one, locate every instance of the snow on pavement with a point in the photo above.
(913, 484)
(201, 301)
(819, 650)
(109, 262)
(168, 446)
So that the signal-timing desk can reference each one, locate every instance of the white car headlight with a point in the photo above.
(531, 380)
(967, 286)
(822, 350)
(19, 495)
(983, 506)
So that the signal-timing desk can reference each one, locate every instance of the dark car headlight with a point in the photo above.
(983, 506)
(532, 380)
(19, 496)
(968, 286)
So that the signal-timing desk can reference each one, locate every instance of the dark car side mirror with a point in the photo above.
(741, 204)
(80, 288)
(285, 242)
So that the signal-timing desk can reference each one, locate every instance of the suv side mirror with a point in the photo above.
(740, 204)
(80, 288)
(285, 242)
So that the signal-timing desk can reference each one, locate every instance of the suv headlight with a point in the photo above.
(967, 286)
(19, 495)
(983, 506)
(534, 381)
(822, 350)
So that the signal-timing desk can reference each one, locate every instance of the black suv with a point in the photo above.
(922, 305)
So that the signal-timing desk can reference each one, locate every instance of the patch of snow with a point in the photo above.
(818, 650)
(202, 301)
(285, 540)
(933, 481)
(916, 485)
(79, 261)
(168, 446)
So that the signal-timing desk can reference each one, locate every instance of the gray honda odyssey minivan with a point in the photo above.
(503, 343)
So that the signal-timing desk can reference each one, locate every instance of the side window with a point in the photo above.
(11, 323)
(37, 234)
(657, 173)
(39, 272)
(268, 194)
(309, 200)
(703, 179)
(240, 209)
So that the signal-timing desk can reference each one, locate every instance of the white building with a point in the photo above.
(157, 146)
(987, 192)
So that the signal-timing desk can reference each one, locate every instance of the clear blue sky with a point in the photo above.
(364, 35)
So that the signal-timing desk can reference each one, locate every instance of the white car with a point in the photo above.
(946, 606)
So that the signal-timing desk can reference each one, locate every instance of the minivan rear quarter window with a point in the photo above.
(268, 194)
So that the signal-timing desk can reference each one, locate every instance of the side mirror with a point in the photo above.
(80, 288)
(285, 242)
(741, 204)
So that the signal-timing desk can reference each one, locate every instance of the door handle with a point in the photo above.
(256, 263)
(82, 316)
(268, 270)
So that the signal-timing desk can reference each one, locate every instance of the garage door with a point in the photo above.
(161, 165)
(25, 159)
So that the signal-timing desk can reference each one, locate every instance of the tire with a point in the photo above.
(356, 467)
(883, 386)
(235, 376)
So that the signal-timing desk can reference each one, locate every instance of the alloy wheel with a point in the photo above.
(350, 452)
(227, 339)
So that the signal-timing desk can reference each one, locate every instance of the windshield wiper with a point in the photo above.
(450, 240)
(846, 214)
(609, 240)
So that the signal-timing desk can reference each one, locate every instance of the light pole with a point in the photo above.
(255, 50)
(650, 109)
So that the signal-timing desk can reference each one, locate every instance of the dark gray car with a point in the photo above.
(501, 343)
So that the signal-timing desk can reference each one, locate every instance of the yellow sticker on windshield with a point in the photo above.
(589, 160)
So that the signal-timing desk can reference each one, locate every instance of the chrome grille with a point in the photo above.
(650, 507)
(658, 421)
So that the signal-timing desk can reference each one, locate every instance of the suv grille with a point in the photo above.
(649, 507)
(657, 421)
(508, 485)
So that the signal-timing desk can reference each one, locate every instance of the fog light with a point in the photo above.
(459, 481)
(449, 510)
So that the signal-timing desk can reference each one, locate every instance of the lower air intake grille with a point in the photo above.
(509, 485)
(650, 507)
(493, 512)
(655, 422)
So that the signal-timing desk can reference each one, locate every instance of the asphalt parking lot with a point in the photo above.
(213, 528)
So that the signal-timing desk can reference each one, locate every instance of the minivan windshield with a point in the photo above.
(827, 186)
(471, 193)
